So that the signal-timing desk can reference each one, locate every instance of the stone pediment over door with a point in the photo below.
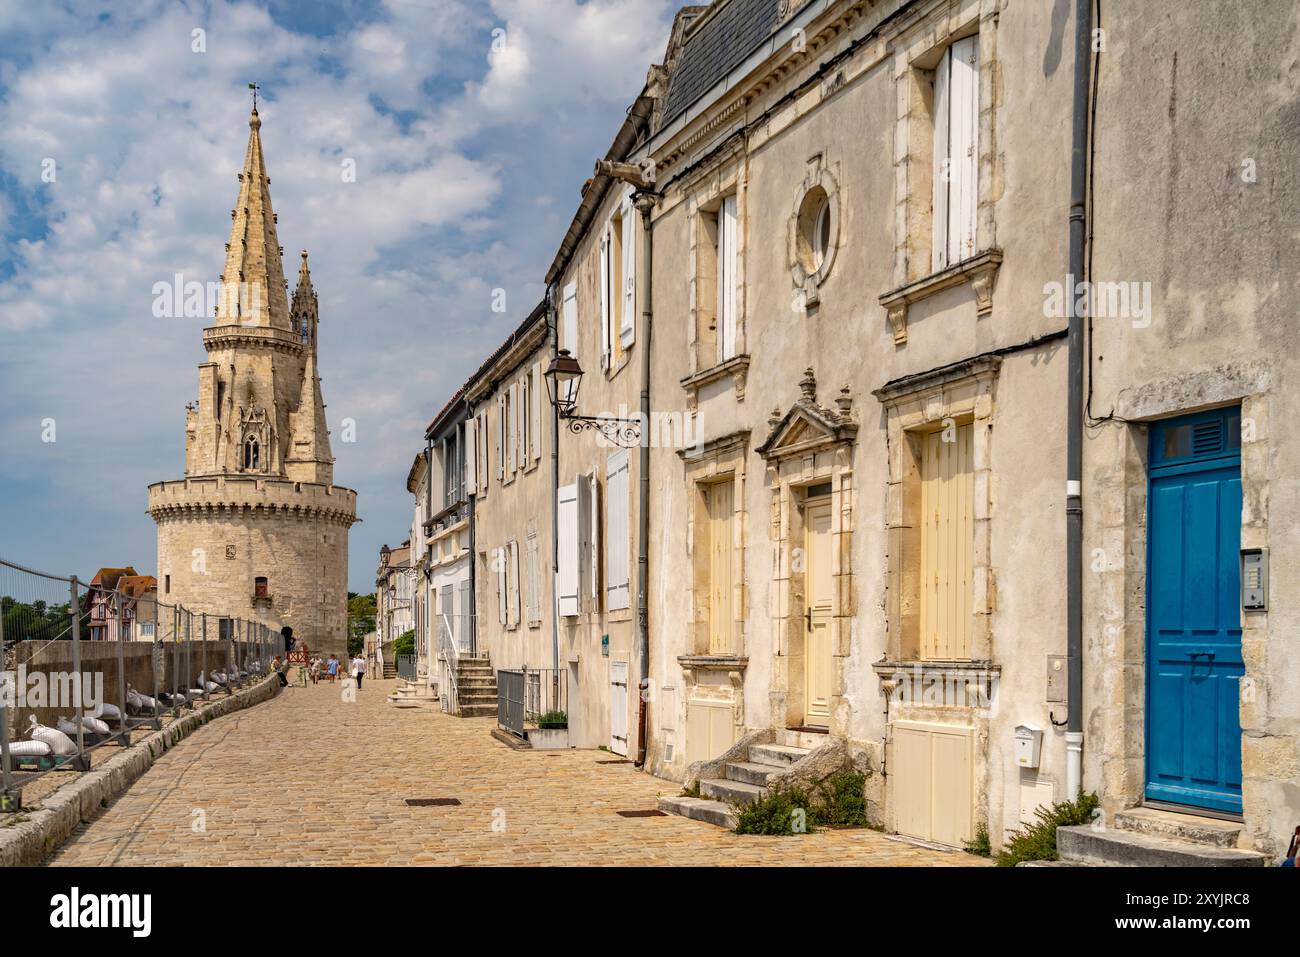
(807, 427)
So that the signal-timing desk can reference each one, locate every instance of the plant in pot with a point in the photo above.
(553, 720)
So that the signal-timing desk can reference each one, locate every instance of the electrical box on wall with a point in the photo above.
(1254, 579)
(1056, 683)
(1029, 745)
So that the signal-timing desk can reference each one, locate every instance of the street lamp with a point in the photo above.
(563, 380)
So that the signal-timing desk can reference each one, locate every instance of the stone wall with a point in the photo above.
(216, 536)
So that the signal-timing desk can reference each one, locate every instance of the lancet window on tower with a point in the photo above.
(251, 453)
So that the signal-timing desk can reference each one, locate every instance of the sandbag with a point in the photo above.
(104, 710)
(141, 702)
(91, 726)
(59, 742)
(29, 749)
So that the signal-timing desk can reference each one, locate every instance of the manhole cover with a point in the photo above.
(432, 802)
(640, 813)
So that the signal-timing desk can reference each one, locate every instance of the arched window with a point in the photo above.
(251, 453)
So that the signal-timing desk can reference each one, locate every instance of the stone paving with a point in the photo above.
(308, 778)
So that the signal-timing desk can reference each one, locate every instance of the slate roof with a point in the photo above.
(717, 47)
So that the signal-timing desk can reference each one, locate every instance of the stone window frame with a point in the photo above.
(715, 462)
(819, 174)
(726, 177)
(962, 393)
(916, 54)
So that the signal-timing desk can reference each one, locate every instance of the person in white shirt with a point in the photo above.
(359, 669)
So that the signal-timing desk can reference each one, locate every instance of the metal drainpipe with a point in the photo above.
(552, 333)
(427, 576)
(645, 203)
(470, 501)
(1074, 425)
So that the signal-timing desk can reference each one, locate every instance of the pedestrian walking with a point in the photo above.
(358, 669)
(333, 668)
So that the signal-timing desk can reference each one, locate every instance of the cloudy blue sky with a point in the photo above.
(469, 161)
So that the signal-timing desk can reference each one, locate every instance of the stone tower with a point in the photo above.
(257, 528)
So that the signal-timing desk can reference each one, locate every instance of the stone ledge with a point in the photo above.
(980, 271)
(47, 828)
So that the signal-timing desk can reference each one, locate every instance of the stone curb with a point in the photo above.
(46, 829)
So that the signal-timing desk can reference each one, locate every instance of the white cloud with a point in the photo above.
(455, 197)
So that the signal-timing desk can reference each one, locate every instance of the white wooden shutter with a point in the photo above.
(569, 545)
(963, 128)
(592, 540)
(586, 531)
(525, 420)
(535, 393)
(956, 152)
(501, 436)
(512, 428)
(627, 324)
(616, 532)
(512, 574)
(942, 162)
(570, 341)
(727, 279)
(604, 299)
(534, 582)
(499, 559)
(471, 456)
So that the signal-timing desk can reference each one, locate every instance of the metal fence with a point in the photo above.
(406, 667)
(94, 663)
(510, 701)
(525, 695)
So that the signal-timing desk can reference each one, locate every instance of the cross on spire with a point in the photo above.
(254, 87)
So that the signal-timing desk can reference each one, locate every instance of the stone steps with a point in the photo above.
(779, 755)
(733, 792)
(476, 688)
(742, 783)
(717, 813)
(1123, 848)
(1181, 827)
(751, 772)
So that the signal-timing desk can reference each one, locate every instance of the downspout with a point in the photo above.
(645, 203)
(428, 570)
(470, 503)
(1074, 423)
(552, 334)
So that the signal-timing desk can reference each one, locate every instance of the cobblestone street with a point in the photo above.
(309, 779)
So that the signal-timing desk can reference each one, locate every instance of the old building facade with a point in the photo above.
(257, 526)
(840, 229)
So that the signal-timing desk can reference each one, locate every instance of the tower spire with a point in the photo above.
(253, 281)
(310, 459)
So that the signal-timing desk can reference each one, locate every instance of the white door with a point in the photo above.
(818, 606)
(618, 707)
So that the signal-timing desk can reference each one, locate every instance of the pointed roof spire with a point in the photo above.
(254, 274)
(310, 459)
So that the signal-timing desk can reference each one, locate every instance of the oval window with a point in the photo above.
(814, 230)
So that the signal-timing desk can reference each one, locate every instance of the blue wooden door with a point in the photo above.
(1194, 665)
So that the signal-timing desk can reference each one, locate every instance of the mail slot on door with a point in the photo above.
(1029, 745)
(1254, 579)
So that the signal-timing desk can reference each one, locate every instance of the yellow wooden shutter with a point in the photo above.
(721, 578)
(947, 543)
